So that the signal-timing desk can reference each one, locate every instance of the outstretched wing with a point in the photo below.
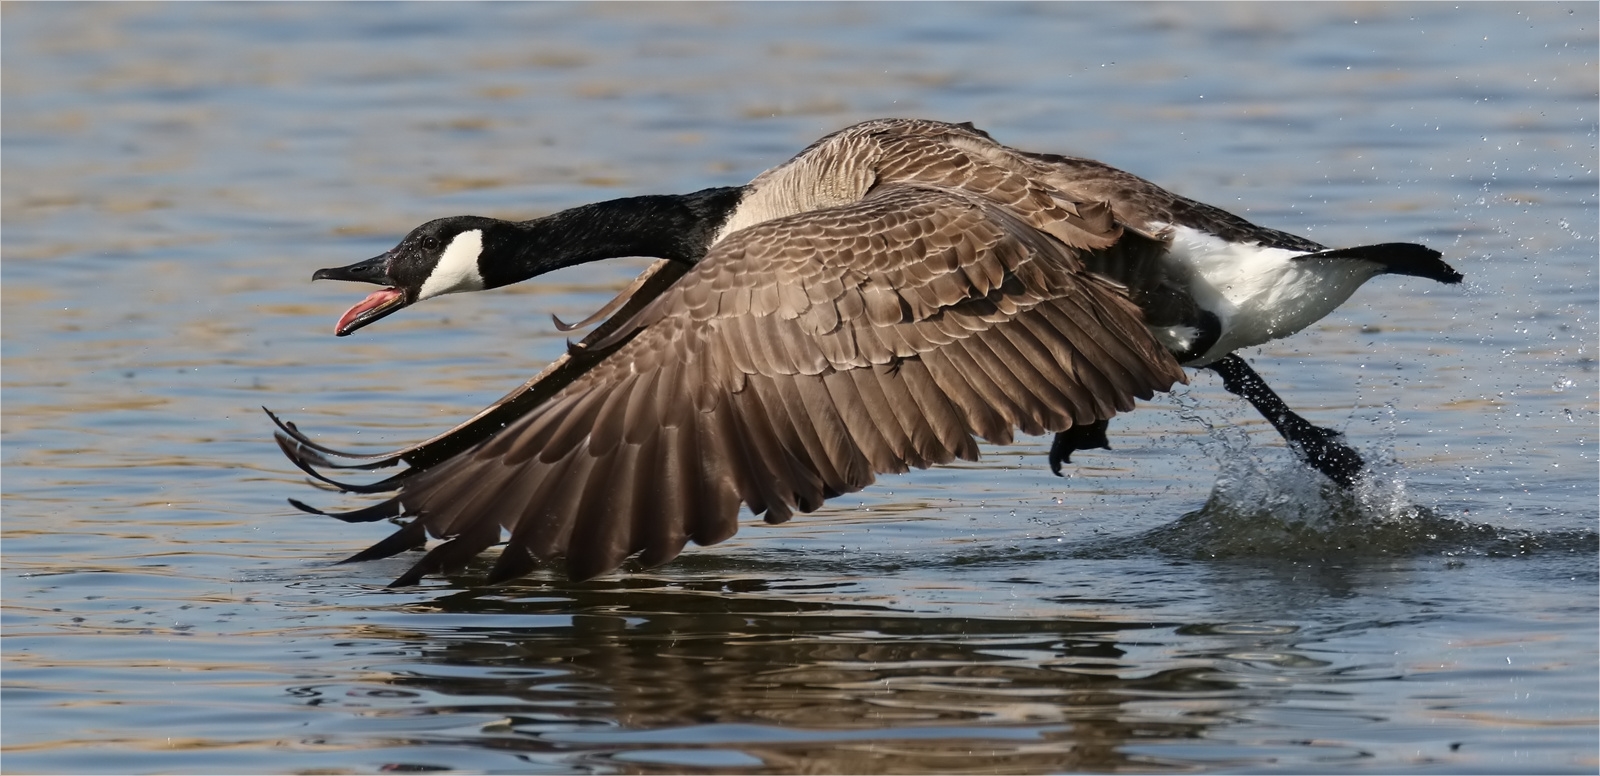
(798, 360)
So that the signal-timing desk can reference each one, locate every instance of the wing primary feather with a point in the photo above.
(532, 491)
(578, 423)
(1047, 380)
(841, 423)
(656, 279)
(900, 447)
(380, 511)
(513, 562)
(716, 514)
(949, 426)
(863, 427)
(977, 414)
(925, 440)
(409, 537)
(603, 534)
(963, 359)
(806, 450)
(294, 433)
(664, 495)
(452, 555)
(641, 419)
(1029, 390)
(756, 444)
(450, 511)
(610, 421)
(780, 444)
(529, 436)
(386, 485)
(545, 523)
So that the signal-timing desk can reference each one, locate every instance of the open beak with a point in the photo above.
(377, 304)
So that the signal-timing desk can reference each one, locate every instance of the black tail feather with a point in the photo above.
(1397, 259)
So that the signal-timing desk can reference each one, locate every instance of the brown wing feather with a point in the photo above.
(306, 452)
(716, 402)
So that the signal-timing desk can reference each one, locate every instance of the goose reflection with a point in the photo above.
(644, 673)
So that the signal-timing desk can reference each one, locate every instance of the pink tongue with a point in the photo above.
(375, 299)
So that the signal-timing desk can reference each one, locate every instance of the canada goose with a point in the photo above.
(896, 290)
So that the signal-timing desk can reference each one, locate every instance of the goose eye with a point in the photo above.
(430, 243)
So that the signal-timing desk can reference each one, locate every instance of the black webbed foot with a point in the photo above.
(1077, 438)
(1318, 446)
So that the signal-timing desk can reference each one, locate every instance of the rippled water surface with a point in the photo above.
(1190, 600)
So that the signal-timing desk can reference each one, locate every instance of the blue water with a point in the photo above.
(1189, 600)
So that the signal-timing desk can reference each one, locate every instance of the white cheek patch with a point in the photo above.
(457, 269)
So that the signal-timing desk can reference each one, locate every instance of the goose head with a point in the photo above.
(440, 257)
(474, 253)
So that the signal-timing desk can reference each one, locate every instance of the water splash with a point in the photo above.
(1285, 510)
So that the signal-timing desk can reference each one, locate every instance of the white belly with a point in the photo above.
(1260, 294)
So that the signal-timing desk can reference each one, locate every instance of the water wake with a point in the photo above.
(1285, 510)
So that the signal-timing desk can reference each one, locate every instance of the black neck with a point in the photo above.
(679, 227)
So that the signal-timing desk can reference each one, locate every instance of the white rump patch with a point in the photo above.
(1258, 293)
(457, 269)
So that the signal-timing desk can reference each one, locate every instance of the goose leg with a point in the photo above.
(1318, 446)
(1074, 439)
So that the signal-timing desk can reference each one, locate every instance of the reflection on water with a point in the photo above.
(764, 673)
(794, 685)
(808, 691)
